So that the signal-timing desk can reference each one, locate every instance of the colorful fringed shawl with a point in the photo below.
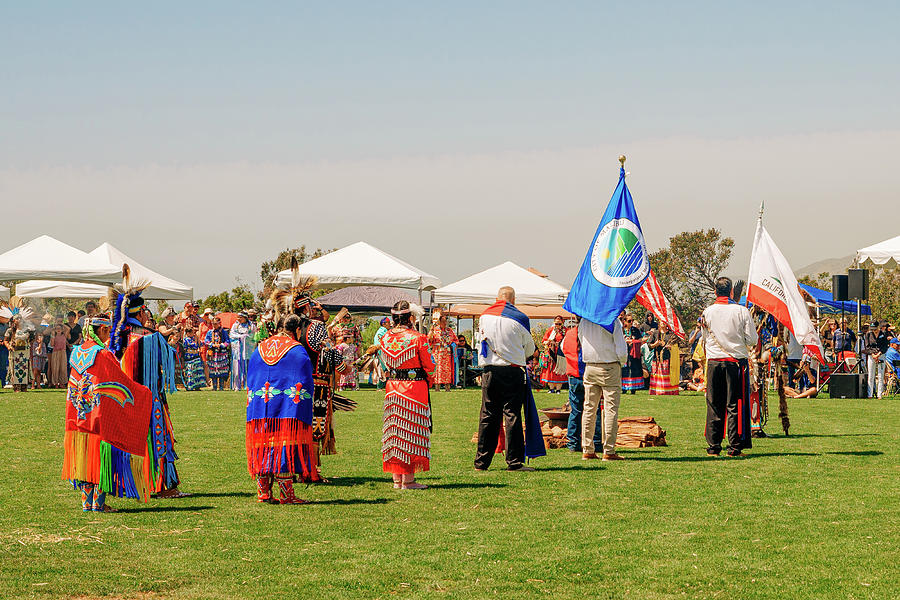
(279, 410)
(107, 419)
(150, 360)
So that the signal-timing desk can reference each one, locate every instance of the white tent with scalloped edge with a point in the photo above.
(161, 287)
(48, 258)
(362, 264)
(482, 287)
(886, 254)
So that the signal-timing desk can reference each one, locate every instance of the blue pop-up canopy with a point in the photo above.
(827, 304)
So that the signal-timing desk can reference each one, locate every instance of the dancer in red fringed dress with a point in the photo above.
(553, 337)
(406, 439)
(442, 340)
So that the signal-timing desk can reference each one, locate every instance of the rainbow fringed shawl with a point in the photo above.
(107, 420)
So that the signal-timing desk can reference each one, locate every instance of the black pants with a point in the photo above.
(726, 399)
(502, 395)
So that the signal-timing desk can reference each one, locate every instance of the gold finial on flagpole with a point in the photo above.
(622, 160)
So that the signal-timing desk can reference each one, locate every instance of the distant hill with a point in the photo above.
(828, 265)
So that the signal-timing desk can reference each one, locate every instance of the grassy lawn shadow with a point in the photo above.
(464, 485)
(352, 501)
(858, 453)
(150, 509)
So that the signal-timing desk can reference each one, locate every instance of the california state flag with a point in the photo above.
(773, 288)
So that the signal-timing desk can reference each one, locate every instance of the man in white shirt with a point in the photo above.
(603, 353)
(728, 331)
(506, 342)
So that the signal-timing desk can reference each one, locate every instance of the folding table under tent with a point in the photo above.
(161, 287)
(47, 258)
(363, 264)
(886, 254)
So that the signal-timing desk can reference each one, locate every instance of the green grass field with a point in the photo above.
(816, 515)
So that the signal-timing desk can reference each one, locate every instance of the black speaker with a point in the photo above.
(839, 287)
(858, 284)
(847, 385)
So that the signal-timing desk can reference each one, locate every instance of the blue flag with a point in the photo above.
(616, 264)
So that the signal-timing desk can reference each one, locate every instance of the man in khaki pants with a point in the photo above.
(603, 353)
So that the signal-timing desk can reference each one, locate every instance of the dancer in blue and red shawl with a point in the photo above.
(728, 332)
(218, 345)
(406, 429)
(633, 370)
(313, 335)
(107, 419)
(280, 444)
(147, 358)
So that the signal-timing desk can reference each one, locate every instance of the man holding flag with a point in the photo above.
(614, 269)
(728, 331)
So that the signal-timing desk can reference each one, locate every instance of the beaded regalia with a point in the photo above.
(105, 445)
(147, 358)
(406, 431)
(279, 415)
(326, 361)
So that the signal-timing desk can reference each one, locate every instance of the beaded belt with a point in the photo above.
(408, 375)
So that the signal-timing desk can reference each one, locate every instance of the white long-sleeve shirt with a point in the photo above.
(601, 346)
(505, 335)
(728, 330)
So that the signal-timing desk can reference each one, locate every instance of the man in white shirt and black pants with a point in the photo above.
(603, 353)
(728, 331)
(506, 342)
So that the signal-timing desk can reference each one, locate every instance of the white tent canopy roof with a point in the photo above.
(161, 287)
(885, 253)
(363, 264)
(47, 258)
(482, 287)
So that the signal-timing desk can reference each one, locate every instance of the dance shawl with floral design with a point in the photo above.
(279, 408)
(107, 420)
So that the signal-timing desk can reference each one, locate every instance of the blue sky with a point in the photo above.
(95, 91)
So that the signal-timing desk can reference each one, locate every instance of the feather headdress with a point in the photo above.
(127, 300)
(21, 314)
(417, 311)
(738, 290)
(295, 298)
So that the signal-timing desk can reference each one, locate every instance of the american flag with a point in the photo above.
(651, 297)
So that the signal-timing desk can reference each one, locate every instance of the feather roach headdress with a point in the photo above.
(128, 302)
(22, 316)
(295, 298)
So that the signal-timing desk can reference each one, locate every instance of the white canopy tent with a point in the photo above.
(482, 287)
(363, 264)
(161, 287)
(886, 253)
(47, 258)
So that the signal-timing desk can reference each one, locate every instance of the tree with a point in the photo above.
(270, 268)
(688, 268)
(241, 297)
